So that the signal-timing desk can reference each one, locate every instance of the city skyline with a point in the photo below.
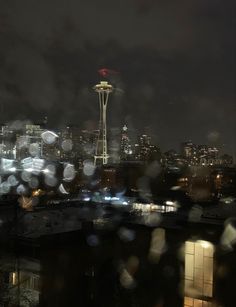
(74, 145)
(118, 153)
(174, 65)
(134, 132)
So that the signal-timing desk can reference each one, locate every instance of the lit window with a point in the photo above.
(198, 273)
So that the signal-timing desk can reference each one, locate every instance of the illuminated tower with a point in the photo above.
(125, 144)
(103, 89)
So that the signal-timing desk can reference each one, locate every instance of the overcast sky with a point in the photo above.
(175, 62)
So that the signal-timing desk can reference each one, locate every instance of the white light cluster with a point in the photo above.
(49, 137)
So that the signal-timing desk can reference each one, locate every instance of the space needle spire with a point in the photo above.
(103, 89)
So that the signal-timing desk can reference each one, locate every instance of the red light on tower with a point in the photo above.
(105, 72)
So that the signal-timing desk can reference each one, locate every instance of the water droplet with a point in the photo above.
(126, 280)
(89, 168)
(12, 181)
(21, 189)
(50, 170)
(34, 182)
(50, 181)
(34, 149)
(69, 172)
(67, 145)
(126, 234)
(26, 176)
(93, 240)
(49, 137)
(5, 187)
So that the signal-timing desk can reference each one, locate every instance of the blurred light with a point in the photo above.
(183, 179)
(25, 202)
(6, 164)
(26, 176)
(93, 240)
(152, 220)
(115, 198)
(32, 165)
(154, 207)
(37, 166)
(49, 137)
(12, 180)
(170, 203)
(23, 141)
(50, 181)
(34, 149)
(5, 187)
(37, 192)
(88, 168)
(228, 238)
(62, 189)
(204, 244)
(29, 170)
(157, 245)
(126, 280)
(126, 234)
(34, 182)
(14, 278)
(12, 169)
(69, 172)
(67, 145)
(175, 188)
(21, 189)
(50, 169)
(227, 200)
(27, 162)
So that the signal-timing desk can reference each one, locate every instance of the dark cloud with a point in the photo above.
(176, 64)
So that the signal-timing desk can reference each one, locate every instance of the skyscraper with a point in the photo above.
(125, 144)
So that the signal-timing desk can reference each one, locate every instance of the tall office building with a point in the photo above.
(126, 150)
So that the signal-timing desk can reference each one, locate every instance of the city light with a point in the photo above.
(117, 153)
(204, 244)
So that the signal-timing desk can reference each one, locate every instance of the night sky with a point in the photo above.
(175, 64)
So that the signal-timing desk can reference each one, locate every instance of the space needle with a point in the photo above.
(101, 156)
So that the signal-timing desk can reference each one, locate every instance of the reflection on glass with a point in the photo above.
(198, 274)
